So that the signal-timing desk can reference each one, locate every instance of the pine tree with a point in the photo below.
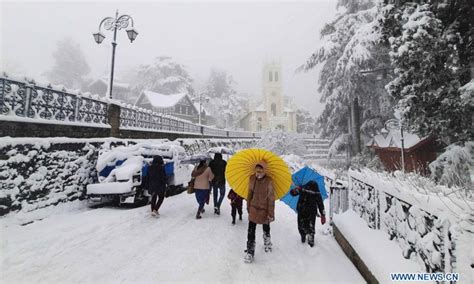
(305, 122)
(428, 70)
(163, 75)
(222, 100)
(70, 66)
(353, 44)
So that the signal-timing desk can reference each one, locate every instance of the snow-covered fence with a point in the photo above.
(25, 101)
(339, 199)
(138, 119)
(365, 201)
(422, 235)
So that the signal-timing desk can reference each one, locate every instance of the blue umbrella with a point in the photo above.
(300, 178)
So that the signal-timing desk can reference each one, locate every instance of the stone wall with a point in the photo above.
(39, 172)
(28, 129)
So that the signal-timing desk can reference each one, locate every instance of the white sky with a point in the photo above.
(234, 36)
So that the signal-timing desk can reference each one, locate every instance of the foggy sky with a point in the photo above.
(234, 36)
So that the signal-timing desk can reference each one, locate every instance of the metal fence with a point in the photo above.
(25, 100)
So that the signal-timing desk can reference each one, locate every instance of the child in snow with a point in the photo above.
(236, 204)
(308, 204)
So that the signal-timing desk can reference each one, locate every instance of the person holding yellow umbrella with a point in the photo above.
(261, 177)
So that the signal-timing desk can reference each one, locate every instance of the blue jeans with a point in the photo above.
(218, 189)
(201, 196)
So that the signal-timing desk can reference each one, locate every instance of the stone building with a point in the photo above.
(275, 111)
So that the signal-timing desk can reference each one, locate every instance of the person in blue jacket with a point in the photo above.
(157, 184)
(308, 204)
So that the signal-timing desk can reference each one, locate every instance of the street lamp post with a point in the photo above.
(114, 24)
(396, 124)
(200, 107)
(200, 104)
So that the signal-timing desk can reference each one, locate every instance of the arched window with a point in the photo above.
(270, 76)
(274, 109)
(276, 76)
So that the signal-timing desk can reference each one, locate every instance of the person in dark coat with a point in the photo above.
(218, 166)
(308, 204)
(157, 184)
(236, 204)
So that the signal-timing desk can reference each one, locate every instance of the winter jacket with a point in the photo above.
(261, 200)
(235, 199)
(310, 199)
(202, 180)
(156, 176)
(218, 169)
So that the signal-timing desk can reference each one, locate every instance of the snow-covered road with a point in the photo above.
(119, 245)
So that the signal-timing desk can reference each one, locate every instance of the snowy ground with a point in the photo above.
(356, 231)
(120, 245)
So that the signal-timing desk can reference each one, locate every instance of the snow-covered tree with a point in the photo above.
(70, 65)
(452, 167)
(429, 56)
(281, 143)
(223, 102)
(305, 122)
(163, 75)
(352, 44)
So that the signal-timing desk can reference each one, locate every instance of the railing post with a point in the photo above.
(27, 98)
(114, 120)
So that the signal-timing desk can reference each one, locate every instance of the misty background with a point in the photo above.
(236, 37)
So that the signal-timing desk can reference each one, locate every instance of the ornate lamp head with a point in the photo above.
(99, 37)
(132, 34)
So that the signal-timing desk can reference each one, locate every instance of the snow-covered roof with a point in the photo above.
(393, 140)
(163, 101)
(206, 112)
(116, 83)
(260, 108)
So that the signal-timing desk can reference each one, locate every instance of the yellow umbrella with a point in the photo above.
(242, 165)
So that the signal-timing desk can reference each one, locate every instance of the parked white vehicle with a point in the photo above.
(123, 174)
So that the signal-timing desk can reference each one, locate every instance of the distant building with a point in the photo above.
(276, 111)
(121, 91)
(418, 152)
(179, 105)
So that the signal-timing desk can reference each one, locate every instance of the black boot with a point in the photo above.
(233, 220)
(240, 217)
(250, 251)
(303, 238)
(311, 240)
(218, 211)
(267, 242)
(198, 214)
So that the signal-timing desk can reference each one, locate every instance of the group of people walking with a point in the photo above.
(207, 178)
(260, 199)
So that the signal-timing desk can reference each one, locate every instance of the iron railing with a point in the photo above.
(27, 101)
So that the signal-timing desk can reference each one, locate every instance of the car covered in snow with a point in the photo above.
(123, 172)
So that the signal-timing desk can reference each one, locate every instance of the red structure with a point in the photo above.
(419, 153)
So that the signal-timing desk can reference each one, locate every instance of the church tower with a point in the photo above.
(272, 93)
